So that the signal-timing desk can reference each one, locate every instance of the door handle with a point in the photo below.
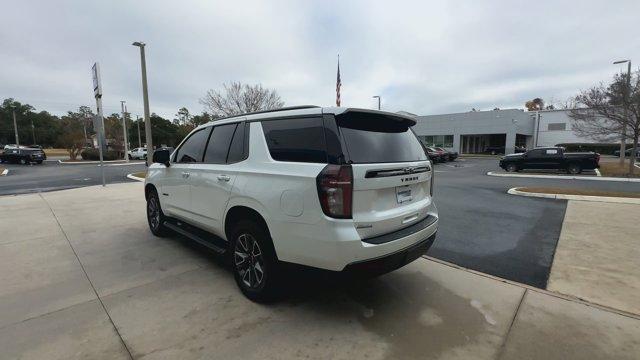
(224, 177)
(185, 174)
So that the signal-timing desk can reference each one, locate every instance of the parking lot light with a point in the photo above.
(627, 92)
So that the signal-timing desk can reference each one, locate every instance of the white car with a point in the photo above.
(332, 188)
(138, 153)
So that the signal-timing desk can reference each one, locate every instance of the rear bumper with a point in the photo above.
(334, 244)
(392, 261)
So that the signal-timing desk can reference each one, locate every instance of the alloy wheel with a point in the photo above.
(249, 261)
(153, 212)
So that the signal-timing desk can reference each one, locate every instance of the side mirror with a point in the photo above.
(161, 156)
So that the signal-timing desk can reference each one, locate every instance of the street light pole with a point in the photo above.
(378, 96)
(124, 130)
(15, 128)
(623, 138)
(145, 95)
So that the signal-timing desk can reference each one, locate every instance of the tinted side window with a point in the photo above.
(236, 150)
(193, 149)
(298, 140)
(535, 153)
(219, 144)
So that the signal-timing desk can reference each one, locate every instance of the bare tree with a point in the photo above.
(601, 114)
(237, 98)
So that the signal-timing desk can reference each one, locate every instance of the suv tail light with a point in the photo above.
(335, 190)
(433, 174)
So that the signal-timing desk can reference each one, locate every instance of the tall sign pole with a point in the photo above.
(97, 93)
(124, 127)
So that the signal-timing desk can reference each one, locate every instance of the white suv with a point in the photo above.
(333, 188)
(138, 153)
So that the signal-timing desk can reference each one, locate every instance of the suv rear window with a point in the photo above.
(372, 139)
(297, 140)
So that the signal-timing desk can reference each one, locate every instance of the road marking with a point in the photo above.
(5, 172)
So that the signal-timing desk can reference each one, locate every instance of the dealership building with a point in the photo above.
(478, 131)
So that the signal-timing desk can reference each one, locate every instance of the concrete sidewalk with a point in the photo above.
(598, 254)
(82, 277)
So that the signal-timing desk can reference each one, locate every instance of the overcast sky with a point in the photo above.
(422, 57)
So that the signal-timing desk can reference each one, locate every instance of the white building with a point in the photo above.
(478, 131)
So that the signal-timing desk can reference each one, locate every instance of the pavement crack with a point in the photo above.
(87, 276)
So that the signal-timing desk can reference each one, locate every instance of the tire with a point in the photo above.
(511, 168)
(574, 169)
(24, 161)
(155, 216)
(39, 162)
(130, 157)
(253, 258)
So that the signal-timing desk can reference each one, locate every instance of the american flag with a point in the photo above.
(338, 85)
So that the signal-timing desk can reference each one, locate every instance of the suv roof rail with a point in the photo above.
(299, 107)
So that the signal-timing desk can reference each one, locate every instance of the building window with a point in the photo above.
(557, 126)
(437, 140)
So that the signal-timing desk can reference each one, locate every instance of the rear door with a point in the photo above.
(391, 172)
(212, 181)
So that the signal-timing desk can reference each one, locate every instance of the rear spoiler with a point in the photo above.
(381, 115)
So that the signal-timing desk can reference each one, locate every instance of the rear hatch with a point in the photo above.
(391, 172)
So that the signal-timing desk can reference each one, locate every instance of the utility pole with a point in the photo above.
(124, 128)
(84, 127)
(145, 96)
(623, 139)
(33, 132)
(138, 125)
(15, 128)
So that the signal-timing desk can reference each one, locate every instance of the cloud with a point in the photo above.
(423, 57)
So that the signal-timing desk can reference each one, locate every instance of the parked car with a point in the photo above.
(627, 153)
(494, 150)
(439, 155)
(551, 158)
(451, 155)
(138, 153)
(23, 156)
(298, 186)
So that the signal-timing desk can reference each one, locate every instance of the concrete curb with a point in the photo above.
(557, 177)
(610, 199)
(98, 162)
(5, 172)
(136, 178)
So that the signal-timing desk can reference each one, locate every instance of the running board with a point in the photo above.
(197, 238)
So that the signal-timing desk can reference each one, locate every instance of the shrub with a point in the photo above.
(94, 154)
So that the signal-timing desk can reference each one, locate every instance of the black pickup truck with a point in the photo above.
(551, 158)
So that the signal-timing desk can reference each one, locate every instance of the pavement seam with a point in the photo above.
(503, 346)
(88, 278)
(557, 295)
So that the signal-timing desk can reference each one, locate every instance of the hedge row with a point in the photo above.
(604, 149)
(94, 154)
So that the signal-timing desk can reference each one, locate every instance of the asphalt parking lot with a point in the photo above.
(485, 229)
(51, 176)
